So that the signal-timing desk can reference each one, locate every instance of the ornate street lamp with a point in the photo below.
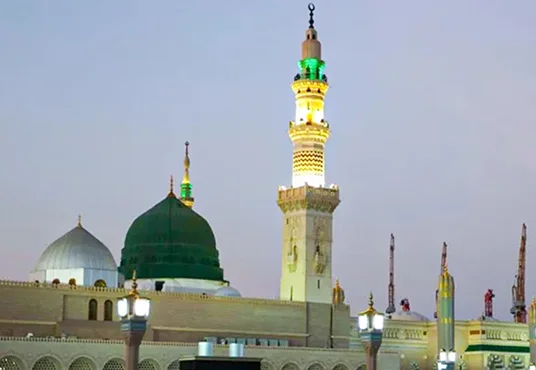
(133, 310)
(446, 359)
(371, 332)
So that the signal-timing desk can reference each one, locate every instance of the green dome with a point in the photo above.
(170, 241)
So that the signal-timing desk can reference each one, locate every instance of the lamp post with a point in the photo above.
(446, 359)
(371, 332)
(133, 311)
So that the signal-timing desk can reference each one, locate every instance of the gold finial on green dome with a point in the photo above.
(186, 177)
(186, 186)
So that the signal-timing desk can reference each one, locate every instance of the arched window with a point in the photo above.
(100, 283)
(92, 312)
(108, 310)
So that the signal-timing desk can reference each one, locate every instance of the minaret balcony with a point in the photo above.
(309, 131)
(308, 197)
(302, 86)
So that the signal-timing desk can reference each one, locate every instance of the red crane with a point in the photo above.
(519, 309)
(488, 303)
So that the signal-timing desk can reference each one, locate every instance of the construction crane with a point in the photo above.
(391, 306)
(519, 309)
(443, 264)
(488, 303)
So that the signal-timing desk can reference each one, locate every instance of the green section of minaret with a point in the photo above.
(312, 69)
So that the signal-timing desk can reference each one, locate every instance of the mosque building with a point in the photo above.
(64, 316)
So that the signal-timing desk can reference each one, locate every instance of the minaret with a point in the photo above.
(532, 331)
(186, 186)
(445, 309)
(391, 289)
(308, 205)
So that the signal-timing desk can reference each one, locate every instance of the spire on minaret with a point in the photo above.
(186, 177)
(186, 186)
(79, 224)
(311, 7)
(444, 261)
(441, 270)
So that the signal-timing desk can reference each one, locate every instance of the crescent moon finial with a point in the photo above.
(311, 8)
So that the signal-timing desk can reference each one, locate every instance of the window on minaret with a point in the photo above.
(318, 284)
(92, 310)
(108, 310)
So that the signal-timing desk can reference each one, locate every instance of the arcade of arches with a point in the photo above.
(84, 363)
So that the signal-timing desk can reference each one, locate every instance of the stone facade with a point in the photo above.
(288, 335)
(479, 344)
(55, 310)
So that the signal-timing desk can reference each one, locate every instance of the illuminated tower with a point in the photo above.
(308, 205)
(445, 311)
(186, 186)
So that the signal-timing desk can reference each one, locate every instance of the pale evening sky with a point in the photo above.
(431, 108)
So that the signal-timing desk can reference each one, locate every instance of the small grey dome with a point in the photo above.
(74, 250)
(408, 316)
(227, 291)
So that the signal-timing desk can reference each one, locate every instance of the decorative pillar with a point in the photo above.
(133, 311)
(371, 346)
(133, 332)
(371, 333)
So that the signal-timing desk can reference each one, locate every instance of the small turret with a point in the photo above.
(338, 294)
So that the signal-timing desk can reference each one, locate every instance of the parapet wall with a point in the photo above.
(53, 310)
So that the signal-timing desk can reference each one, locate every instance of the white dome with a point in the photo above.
(75, 250)
(408, 316)
(227, 291)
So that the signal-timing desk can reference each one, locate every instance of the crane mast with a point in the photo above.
(519, 309)
(391, 306)
(443, 264)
